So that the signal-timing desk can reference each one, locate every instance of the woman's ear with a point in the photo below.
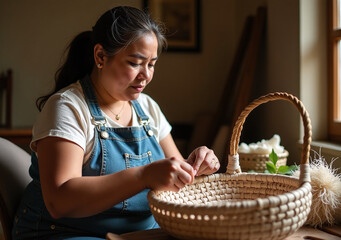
(99, 55)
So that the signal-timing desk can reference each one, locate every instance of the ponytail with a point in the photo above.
(79, 62)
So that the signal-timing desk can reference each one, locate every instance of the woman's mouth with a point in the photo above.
(139, 88)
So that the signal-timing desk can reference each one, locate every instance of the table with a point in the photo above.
(304, 233)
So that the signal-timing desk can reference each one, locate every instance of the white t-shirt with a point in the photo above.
(67, 115)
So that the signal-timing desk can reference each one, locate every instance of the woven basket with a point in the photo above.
(235, 205)
(257, 162)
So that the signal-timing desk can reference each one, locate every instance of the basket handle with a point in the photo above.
(232, 167)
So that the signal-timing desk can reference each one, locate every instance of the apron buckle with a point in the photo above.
(145, 123)
(100, 123)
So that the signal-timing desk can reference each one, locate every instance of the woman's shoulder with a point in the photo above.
(70, 94)
(69, 101)
(65, 114)
(73, 91)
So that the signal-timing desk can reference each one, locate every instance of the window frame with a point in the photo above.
(334, 35)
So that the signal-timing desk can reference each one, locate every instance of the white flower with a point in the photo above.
(263, 146)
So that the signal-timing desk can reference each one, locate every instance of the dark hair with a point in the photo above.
(114, 30)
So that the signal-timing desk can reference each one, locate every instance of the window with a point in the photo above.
(334, 69)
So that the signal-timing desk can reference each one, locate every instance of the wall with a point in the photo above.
(283, 72)
(186, 84)
(295, 62)
(313, 63)
(35, 33)
(313, 76)
(278, 72)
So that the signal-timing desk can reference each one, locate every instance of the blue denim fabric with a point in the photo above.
(114, 149)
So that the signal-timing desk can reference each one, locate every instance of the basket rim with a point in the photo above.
(238, 205)
(280, 155)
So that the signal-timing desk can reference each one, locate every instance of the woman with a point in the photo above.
(99, 144)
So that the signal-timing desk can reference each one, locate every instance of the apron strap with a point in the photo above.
(143, 118)
(95, 111)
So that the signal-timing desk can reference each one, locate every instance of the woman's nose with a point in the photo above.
(145, 73)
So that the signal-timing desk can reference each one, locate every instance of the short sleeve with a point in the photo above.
(63, 116)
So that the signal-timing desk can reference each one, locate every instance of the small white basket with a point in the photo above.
(257, 162)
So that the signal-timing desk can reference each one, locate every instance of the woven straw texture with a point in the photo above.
(236, 205)
(257, 162)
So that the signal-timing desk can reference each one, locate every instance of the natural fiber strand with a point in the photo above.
(326, 191)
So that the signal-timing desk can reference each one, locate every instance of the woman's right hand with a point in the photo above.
(168, 174)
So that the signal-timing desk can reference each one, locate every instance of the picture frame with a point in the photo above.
(182, 22)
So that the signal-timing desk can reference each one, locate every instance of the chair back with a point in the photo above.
(14, 177)
(6, 84)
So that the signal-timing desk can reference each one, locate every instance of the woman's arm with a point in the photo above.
(69, 194)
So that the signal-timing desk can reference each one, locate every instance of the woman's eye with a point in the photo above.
(151, 65)
(133, 64)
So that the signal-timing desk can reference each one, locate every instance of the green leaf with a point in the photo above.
(283, 169)
(273, 157)
(271, 167)
(287, 170)
(292, 169)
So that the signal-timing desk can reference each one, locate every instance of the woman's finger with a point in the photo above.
(211, 164)
(185, 177)
(182, 175)
(179, 184)
(188, 169)
(199, 154)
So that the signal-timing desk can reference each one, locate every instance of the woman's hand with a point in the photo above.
(169, 174)
(203, 161)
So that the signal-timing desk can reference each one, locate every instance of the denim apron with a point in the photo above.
(114, 149)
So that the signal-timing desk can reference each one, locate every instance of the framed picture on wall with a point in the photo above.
(182, 22)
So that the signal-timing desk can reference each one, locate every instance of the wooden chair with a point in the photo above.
(6, 86)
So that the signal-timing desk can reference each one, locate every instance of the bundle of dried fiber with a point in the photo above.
(326, 191)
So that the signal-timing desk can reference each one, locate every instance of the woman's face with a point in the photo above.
(125, 75)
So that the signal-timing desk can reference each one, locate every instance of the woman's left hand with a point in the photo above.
(203, 161)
